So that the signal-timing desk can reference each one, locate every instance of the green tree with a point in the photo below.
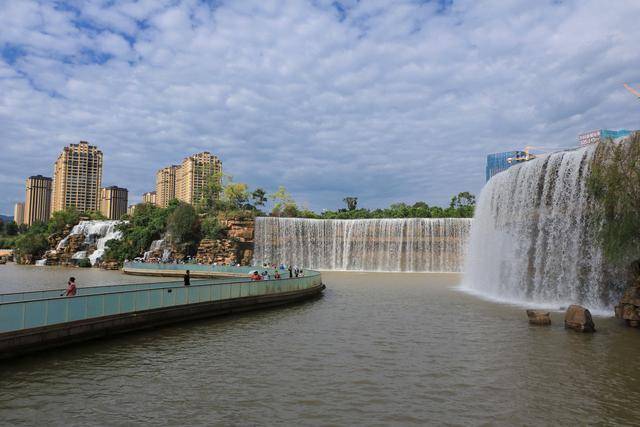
(209, 197)
(463, 204)
(351, 202)
(614, 183)
(63, 219)
(211, 228)
(183, 226)
(32, 244)
(236, 195)
(283, 203)
(259, 197)
(11, 228)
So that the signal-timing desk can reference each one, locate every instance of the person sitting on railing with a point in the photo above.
(71, 288)
(256, 276)
(276, 274)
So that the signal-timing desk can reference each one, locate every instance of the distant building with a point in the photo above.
(113, 202)
(193, 174)
(595, 136)
(18, 213)
(498, 162)
(186, 181)
(37, 204)
(131, 209)
(149, 197)
(166, 185)
(77, 178)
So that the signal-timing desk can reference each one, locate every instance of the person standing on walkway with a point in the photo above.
(290, 271)
(187, 278)
(71, 288)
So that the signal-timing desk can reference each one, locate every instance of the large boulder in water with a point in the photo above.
(538, 318)
(629, 307)
(579, 319)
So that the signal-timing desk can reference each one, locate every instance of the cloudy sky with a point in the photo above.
(386, 101)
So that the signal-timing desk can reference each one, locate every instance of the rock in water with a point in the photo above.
(579, 319)
(629, 307)
(538, 318)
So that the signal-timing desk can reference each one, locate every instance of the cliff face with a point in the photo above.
(235, 248)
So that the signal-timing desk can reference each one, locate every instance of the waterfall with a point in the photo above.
(96, 233)
(532, 240)
(416, 244)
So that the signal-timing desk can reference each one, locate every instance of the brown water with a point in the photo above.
(377, 349)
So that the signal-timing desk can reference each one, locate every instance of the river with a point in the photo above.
(376, 349)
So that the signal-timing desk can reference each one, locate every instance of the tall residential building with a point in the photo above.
(37, 204)
(113, 202)
(18, 213)
(131, 209)
(77, 178)
(166, 185)
(149, 197)
(193, 174)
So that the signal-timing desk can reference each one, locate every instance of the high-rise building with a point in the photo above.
(37, 204)
(498, 162)
(18, 213)
(600, 135)
(149, 197)
(113, 202)
(166, 185)
(193, 174)
(131, 209)
(77, 178)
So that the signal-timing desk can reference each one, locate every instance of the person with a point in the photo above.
(187, 278)
(276, 275)
(71, 287)
(290, 271)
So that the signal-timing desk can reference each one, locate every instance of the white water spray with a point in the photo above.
(532, 241)
(412, 245)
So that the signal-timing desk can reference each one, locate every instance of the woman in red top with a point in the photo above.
(71, 288)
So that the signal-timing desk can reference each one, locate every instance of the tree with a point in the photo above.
(32, 244)
(182, 225)
(284, 205)
(259, 197)
(63, 219)
(210, 193)
(11, 228)
(236, 194)
(351, 202)
(614, 183)
(463, 205)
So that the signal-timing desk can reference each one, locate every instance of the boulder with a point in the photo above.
(579, 319)
(538, 318)
(629, 307)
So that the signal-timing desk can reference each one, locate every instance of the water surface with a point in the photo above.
(377, 349)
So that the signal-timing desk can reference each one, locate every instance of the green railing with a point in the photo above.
(49, 308)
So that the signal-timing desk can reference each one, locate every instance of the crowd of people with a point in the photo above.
(294, 271)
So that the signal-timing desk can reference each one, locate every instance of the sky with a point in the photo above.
(386, 101)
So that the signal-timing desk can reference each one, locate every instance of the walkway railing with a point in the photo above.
(48, 307)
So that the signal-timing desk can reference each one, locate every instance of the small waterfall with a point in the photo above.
(412, 245)
(157, 247)
(96, 233)
(532, 240)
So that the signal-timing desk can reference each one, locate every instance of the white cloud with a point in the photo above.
(393, 102)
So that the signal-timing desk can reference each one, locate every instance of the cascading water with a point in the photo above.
(96, 233)
(420, 244)
(533, 241)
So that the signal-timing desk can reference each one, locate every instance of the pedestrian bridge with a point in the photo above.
(35, 320)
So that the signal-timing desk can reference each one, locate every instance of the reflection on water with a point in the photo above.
(376, 349)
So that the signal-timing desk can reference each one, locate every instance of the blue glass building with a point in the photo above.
(498, 162)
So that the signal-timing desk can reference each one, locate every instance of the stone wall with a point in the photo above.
(236, 247)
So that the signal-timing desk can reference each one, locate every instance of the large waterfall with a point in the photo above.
(532, 240)
(420, 244)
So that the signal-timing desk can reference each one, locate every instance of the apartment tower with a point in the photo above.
(166, 185)
(113, 202)
(77, 178)
(18, 213)
(37, 204)
(150, 197)
(193, 174)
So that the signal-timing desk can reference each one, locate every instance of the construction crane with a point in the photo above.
(632, 90)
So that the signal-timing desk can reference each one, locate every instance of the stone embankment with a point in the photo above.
(235, 248)
(629, 307)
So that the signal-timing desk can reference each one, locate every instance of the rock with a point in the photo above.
(538, 318)
(579, 319)
(629, 307)
(236, 247)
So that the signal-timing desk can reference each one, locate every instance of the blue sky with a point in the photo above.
(386, 101)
